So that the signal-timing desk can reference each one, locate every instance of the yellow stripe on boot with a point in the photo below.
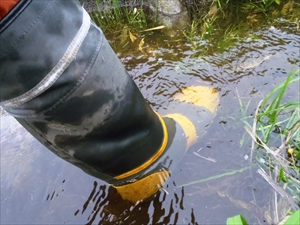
(187, 126)
(143, 188)
(154, 157)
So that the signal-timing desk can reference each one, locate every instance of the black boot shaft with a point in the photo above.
(62, 81)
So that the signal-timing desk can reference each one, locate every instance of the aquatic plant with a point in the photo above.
(219, 23)
(113, 17)
(275, 150)
(224, 22)
(240, 220)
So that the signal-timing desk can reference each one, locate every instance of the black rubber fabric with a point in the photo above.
(93, 116)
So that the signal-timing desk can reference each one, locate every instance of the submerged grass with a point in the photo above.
(217, 24)
(215, 177)
(275, 149)
(120, 22)
(226, 21)
(272, 108)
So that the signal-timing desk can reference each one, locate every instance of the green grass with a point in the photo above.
(221, 24)
(277, 122)
(112, 17)
(289, 220)
(275, 132)
(225, 22)
(272, 108)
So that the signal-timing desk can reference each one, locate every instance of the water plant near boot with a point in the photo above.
(276, 139)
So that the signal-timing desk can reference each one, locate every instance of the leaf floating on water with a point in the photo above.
(294, 219)
(141, 45)
(155, 28)
(124, 35)
(213, 9)
(287, 8)
(132, 37)
(236, 220)
(253, 63)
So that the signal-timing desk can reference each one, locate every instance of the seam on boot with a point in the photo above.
(76, 86)
(80, 81)
(57, 70)
(28, 29)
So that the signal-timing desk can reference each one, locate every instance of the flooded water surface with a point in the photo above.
(214, 179)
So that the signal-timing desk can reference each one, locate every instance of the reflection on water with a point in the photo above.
(39, 188)
(105, 206)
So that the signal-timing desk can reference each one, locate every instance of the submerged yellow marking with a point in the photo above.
(187, 126)
(200, 96)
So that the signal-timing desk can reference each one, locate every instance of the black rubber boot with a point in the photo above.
(62, 81)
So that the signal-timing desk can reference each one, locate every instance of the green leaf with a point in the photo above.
(236, 220)
(278, 2)
(293, 219)
(297, 153)
(282, 175)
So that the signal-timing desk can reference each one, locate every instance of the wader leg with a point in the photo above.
(62, 81)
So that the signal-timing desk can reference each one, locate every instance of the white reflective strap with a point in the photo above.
(59, 68)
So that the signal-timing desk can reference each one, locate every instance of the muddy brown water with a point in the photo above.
(39, 188)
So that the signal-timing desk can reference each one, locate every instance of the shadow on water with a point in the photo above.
(212, 182)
